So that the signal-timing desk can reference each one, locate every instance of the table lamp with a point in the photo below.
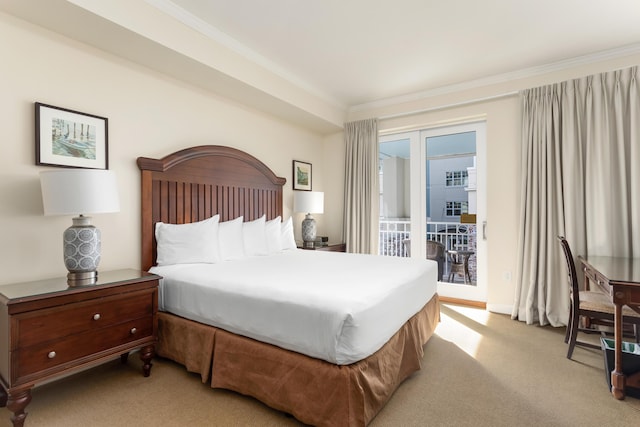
(308, 202)
(80, 192)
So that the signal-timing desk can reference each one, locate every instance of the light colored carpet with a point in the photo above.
(480, 369)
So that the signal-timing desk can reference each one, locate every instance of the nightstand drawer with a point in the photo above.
(51, 324)
(51, 354)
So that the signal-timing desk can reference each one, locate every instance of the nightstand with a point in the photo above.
(50, 329)
(331, 247)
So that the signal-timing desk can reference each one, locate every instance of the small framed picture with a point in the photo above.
(68, 138)
(301, 175)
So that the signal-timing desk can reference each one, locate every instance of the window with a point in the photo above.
(457, 178)
(456, 208)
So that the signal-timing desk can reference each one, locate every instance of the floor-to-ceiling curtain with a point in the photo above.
(361, 193)
(580, 179)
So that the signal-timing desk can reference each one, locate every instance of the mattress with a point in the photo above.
(332, 306)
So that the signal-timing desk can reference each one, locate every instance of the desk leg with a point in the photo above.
(617, 376)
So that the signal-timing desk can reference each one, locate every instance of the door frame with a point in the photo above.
(458, 290)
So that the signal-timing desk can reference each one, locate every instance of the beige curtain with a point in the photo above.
(580, 179)
(361, 193)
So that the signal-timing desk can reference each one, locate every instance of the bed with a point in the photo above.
(338, 383)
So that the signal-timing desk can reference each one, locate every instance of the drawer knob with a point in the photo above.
(51, 355)
(96, 316)
(133, 331)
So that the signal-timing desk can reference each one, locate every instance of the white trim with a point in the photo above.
(434, 125)
(451, 105)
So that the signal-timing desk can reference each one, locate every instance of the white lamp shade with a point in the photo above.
(308, 201)
(79, 191)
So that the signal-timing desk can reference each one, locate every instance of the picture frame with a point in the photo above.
(68, 138)
(302, 175)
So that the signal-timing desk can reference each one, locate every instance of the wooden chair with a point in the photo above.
(594, 306)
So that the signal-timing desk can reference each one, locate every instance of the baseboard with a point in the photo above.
(494, 308)
(500, 308)
(479, 304)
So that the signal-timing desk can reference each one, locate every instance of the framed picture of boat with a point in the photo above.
(68, 138)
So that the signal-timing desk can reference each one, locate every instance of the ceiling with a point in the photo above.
(359, 51)
(313, 62)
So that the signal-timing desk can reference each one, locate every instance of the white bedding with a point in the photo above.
(333, 306)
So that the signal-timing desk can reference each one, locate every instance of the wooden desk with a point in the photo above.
(619, 278)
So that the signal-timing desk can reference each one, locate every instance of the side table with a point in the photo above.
(331, 247)
(460, 264)
(50, 329)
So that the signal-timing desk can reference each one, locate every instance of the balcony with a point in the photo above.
(453, 235)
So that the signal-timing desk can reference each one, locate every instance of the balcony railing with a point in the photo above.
(392, 234)
(454, 235)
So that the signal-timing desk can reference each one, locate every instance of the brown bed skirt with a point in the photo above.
(314, 391)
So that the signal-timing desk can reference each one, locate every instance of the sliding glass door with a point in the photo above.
(433, 203)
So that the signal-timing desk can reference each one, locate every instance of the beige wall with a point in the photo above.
(153, 115)
(333, 185)
(501, 110)
(149, 115)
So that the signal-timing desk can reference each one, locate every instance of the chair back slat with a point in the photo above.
(571, 268)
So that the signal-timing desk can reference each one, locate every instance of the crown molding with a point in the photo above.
(216, 35)
(213, 33)
(502, 78)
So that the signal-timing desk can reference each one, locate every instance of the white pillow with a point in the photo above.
(273, 232)
(254, 237)
(188, 243)
(288, 240)
(230, 241)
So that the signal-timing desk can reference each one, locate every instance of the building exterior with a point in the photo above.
(447, 181)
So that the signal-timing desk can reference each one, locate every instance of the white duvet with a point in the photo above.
(333, 306)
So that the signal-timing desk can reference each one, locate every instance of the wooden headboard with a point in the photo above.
(196, 183)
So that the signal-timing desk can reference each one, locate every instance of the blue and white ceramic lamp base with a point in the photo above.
(81, 251)
(309, 231)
